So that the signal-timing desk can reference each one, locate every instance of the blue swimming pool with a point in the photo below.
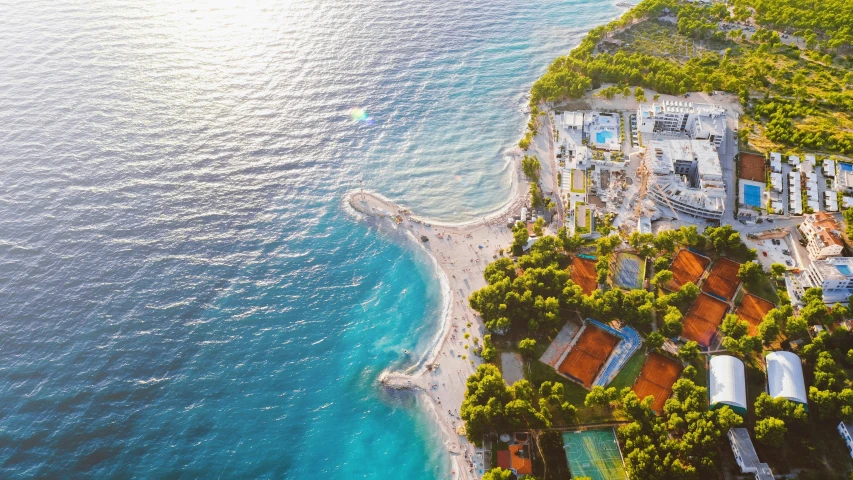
(752, 195)
(843, 269)
(603, 136)
(847, 167)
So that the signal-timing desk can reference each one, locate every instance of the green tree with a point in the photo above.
(812, 295)
(723, 238)
(520, 237)
(599, 396)
(750, 273)
(781, 408)
(768, 329)
(796, 327)
(485, 400)
(531, 167)
(770, 431)
(778, 269)
(538, 226)
(498, 474)
(654, 341)
(672, 323)
(569, 244)
(488, 352)
(661, 278)
(527, 347)
(689, 352)
(734, 327)
(500, 269)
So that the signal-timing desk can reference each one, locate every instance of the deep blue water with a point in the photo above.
(182, 293)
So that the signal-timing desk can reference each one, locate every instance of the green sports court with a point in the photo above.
(594, 454)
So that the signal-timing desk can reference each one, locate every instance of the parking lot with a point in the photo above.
(774, 253)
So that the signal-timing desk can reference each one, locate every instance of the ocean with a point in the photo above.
(182, 292)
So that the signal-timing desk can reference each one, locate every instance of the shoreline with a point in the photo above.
(459, 251)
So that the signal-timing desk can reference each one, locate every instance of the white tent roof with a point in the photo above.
(785, 377)
(727, 381)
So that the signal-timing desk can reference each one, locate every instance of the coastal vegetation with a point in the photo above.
(794, 78)
(793, 97)
(528, 298)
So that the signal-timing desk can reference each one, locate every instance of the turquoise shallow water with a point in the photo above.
(183, 294)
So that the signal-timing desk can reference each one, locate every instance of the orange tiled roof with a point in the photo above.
(522, 465)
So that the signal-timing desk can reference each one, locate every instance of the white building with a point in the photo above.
(745, 455)
(699, 121)
(686, 175)
(793, 160)
(828, 168)
(776, 181)
(831, 200)
(602, 130)
(844, 178)
(834, 275)
(822, 234)
(795, 193)
(727, 383)
(785, 377)
(569, 141)
(846, 430)
(776, 162)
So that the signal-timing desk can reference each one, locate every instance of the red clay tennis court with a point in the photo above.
(752, 310)
(588, 355)
(657, 377)
(752, 167)
(703, 319)
(723, 280)
(583, 274)
(687, 267)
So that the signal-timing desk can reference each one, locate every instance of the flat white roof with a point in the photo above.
(829, 168)
(776, 164)
(831, 201)
(727, 381)
(776, 180)
(573, 119)
(835, 268)
(785, 377)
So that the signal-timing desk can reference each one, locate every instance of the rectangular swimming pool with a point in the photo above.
(843, 269)
(603, 136)
(751, 195)
(847, 167)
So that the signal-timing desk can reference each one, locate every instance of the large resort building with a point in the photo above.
(698, 121)
(834, 275)
(686, 175)
(823, 236)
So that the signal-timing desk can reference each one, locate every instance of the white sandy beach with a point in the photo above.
(461, 252)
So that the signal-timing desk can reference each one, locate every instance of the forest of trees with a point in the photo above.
(534, 295)
(826, 22)
(803, 99)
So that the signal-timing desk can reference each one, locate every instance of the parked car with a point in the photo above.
(789, 263)
(764, 253)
